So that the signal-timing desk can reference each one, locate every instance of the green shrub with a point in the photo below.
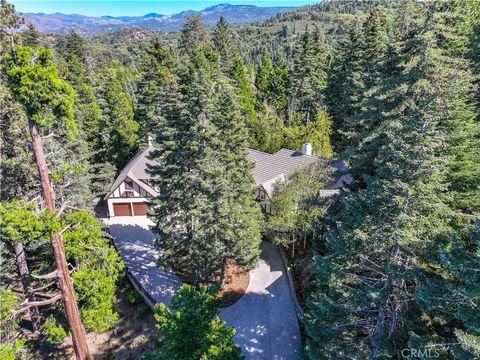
(134, 297)
(10, 351)
(54, 333)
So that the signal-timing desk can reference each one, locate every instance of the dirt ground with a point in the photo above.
(235, 284)
(134, 333)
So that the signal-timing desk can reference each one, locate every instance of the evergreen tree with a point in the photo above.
(154, 86)
(224, 44)
(244, 90)
(308, 77)
(272, 83)
(267, 133)
(17, 170)
(48, 101)
(193, 35)
(362, 67)
(376, 269)
(86, 172)
(119, 131)
(30, 36)
(342, 94)
(205, 212)
(197, 308)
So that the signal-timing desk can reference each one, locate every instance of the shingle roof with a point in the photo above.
(268, 169)
(271, 167)
(136, 166)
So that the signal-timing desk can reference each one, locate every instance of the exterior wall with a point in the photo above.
(264, 200)
(111, 201)
(137, 191)
(139, 195)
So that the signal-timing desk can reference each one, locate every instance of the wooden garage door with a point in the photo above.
(140, 209)
(122, 209)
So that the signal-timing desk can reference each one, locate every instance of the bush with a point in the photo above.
(11, 350)
(134, 297)
(54, 333)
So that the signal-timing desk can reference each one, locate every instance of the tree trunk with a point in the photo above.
(65, 281)
(222, 273)
(26, 283)
(293, 246)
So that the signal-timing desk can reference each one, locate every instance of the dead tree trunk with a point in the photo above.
(26, 283)
(65, 281)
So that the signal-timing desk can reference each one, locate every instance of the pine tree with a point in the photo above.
(362, 66)
(119, 131)
(17, 170)
(33, 78)
(154, 86)
(308, 77)
(194, 34)
(86, 172)
(244, 90)
(272, 83)
(344, 87)
(377, 272)
(197, 308)
(268, 131)
(263, 76)
(474, 53)
(224, 43)
(205, 212)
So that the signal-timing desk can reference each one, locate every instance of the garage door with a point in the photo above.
(122, 209)
(140, 209)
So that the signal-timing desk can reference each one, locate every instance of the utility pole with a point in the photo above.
(65, 281)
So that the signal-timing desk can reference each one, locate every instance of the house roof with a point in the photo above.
(268, 169)
(135, 170)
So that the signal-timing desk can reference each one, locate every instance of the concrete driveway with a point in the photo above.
(135, 243)
(264, 317)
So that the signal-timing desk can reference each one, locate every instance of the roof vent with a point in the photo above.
(307, 149)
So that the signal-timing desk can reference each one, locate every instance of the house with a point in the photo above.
(129, 194)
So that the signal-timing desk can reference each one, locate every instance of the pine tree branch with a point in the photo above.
(44, 287)
(28, 305)
(52, 134)
(51, 275)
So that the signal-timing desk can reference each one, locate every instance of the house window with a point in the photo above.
(262, 195)
(128, 185)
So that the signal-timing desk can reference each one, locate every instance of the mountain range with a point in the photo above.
(59, 23)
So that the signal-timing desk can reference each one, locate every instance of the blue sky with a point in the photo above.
(135, 8)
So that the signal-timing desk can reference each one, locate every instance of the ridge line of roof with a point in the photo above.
(299, 152)
(260, 152)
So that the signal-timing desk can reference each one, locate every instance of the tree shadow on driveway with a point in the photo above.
(136, 246)
(264, 318)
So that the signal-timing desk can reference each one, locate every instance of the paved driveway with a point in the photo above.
(264, 317)
(135, 244)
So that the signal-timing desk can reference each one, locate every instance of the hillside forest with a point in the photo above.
(391, 88)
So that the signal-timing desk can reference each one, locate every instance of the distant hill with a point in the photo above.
(58, 23)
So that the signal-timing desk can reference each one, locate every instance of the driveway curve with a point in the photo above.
(264, 317)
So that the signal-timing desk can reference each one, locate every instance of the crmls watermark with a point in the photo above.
(427, 352)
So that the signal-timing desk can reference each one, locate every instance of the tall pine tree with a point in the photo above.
(205, 213)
